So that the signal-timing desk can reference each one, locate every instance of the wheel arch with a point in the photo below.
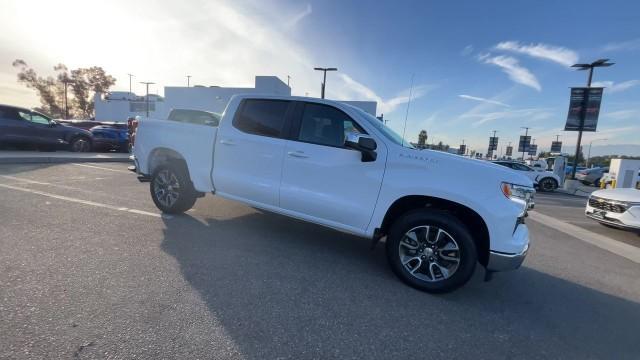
(165, 156)
(474, 221)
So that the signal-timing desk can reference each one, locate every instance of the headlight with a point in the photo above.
(517, 192)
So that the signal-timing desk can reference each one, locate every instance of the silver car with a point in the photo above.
(591, 176)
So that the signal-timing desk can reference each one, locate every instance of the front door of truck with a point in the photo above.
(323, 179)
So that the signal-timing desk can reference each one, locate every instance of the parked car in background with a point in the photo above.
(22, 127)
(543, 180)
(569, 168)
(591, 176)
(335, 165)
(194, 117)
(615, 207)
(107, 138)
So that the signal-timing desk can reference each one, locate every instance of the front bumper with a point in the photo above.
(499, 261)
(630, 219)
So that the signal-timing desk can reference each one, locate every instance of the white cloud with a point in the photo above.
(353, 90)
(623, 45)
(299, 16)
(557, 54)
(511, 67)
(612, 87)
(488, 101)
(467, 50)
(532, 114)
(623, 114)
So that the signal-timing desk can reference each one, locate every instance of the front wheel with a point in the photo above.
(548, 184)
(171, 190)
(431, 251)
(80, 144)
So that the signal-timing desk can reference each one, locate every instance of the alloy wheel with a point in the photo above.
(166, 187)
(429, 253)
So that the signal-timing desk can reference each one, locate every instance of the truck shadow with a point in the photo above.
(282, 288)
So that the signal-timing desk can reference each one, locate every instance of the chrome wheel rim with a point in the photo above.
(429, 253)
(81, 145)
(166, 188)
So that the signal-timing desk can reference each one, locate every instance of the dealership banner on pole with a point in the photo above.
(523, 144)
(493, 143)
(584, 103)
(533, 149)
(462, 150)
(556, 146)
(509, 150)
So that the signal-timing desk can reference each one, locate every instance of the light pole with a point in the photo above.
(589, 153)
(66, 81)
(324, 78)
(130, 76)
(590, 67)
(188, 80)
(147, 83)
(288, 78)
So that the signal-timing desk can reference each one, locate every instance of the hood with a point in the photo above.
(475, 169)
(620, 194)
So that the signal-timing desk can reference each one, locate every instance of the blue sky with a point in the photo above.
(477, 66)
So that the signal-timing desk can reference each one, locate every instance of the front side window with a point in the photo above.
(262, 117)
(39, 119)
(325, 125)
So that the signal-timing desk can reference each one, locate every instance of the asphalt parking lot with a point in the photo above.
(90, 269)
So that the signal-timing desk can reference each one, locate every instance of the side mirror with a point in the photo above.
(363, 143)
(52, 123)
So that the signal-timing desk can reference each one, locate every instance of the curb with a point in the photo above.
(60, 160)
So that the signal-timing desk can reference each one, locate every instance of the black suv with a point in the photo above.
(27, 128)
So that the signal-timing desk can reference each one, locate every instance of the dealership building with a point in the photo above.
(120, 105)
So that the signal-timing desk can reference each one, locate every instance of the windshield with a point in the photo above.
(384, 129)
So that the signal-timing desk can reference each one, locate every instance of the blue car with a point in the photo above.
(108, 138)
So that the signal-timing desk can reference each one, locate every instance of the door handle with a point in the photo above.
(227, 142)
(298, 154)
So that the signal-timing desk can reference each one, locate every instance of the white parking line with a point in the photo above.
(627, 251)
(87, 202)
(104, 168)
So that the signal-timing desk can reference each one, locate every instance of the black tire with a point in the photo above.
(452, 226)
(596, 182)
(548, 184)
(185, 194)
(80, 144)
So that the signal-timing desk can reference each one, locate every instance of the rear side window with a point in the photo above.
(325, 125)
(262, 117)
(194, 117)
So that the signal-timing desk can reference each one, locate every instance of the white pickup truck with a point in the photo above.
(332, 164)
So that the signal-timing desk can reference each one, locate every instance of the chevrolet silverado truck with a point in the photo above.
(332, 164)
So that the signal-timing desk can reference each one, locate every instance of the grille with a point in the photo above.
(607, 205)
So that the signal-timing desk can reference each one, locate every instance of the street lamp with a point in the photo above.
(324, 78)
(589, 153)
(188, 80)
(590, 67)
(147, 83)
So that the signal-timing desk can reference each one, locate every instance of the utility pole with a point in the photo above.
(130, 76)
(583, 112)
(188, 80)
(324, 78)
(147, 83)
(526, 132)
(66, 81)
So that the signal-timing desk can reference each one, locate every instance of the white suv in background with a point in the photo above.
(615, 207)
(543, 180)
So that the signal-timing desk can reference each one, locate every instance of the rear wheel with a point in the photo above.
(548, 184)
(431, 251)
(171, 189)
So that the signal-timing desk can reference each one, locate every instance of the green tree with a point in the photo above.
(82, 83)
